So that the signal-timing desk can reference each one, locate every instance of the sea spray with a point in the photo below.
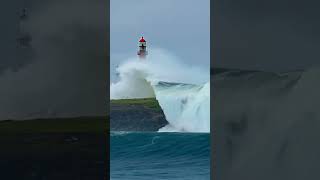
(186, 107)
(268, 124)
(183, 91)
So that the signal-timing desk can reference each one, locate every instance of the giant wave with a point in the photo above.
(266, 124)
(182, 91)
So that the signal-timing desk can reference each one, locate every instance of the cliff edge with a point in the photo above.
(136, 115)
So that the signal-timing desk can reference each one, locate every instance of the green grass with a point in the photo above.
(71, 125)
(147, 102)
(57, 125)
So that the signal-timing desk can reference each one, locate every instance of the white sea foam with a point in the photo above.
(183, 91)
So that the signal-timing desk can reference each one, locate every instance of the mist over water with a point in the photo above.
(137, 75)
(183, 91)
(187, 107)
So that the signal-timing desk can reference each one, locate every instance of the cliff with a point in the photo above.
(136, 115)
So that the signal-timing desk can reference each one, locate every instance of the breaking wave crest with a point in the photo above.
(267, 122)
(183, 92)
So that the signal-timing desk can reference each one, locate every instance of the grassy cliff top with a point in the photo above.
(147, 102)
(71, 125)
(56, 125)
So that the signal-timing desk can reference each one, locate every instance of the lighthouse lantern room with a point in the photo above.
(142, 48)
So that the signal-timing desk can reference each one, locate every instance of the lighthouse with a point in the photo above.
(142, 48)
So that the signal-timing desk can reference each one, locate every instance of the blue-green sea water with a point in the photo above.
(160, 156)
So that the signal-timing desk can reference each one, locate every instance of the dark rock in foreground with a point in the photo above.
(136, 115)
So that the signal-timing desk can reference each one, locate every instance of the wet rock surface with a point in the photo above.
(125, 117)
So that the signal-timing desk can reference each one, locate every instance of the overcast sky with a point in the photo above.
(65, 75)
(268, 35)
(180, 26)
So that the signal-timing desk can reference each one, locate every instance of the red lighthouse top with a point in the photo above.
(142, 40)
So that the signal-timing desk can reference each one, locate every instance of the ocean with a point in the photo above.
(181, 149)
(159, 156)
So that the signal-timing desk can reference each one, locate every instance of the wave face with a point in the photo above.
(267, 124)
(148, 156)
(186, 107)
(183, 92)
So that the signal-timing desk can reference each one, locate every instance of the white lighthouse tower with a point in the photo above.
(142, 48)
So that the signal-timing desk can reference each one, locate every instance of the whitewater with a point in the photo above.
(267, 124)
(183, 91)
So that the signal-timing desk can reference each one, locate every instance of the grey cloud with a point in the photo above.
(68, 74)
(269, 35)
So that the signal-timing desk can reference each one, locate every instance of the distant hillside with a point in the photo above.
(215, 71)
(126, 115)
(56, 125)
(219, 70)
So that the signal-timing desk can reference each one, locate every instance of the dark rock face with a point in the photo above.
(135, 118)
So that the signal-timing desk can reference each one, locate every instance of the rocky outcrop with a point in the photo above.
(135, 117)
